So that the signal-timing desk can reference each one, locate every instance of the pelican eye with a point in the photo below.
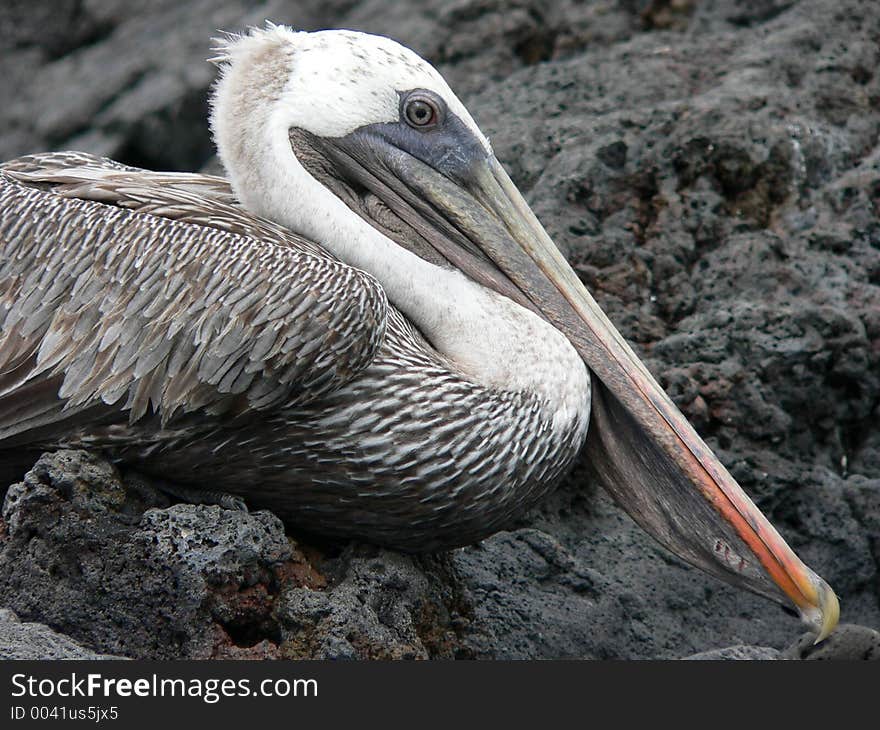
(421, 111)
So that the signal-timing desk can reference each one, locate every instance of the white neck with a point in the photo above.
(491, 339)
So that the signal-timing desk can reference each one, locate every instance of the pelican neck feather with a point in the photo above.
(486, 336)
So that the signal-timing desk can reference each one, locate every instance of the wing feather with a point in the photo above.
(136, 293)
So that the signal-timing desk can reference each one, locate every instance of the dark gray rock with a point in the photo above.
(135, 86)
(737, 653)
(116, 568)
(848, 642)
(378, 605)
(105, 559)
(711, 169)
(35, 641)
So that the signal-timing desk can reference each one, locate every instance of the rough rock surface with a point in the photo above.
(737, 653)
(848, 642)
(711, 169)
(20, 640)
(106, 559)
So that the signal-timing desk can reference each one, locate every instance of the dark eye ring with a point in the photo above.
(421, 113)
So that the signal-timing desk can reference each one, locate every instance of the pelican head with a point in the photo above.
(357, 142)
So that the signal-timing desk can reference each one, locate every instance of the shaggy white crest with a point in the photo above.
(331, 82)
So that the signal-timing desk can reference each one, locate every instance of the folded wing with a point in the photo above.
(125, 293)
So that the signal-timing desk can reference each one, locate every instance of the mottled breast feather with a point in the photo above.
(152, 293)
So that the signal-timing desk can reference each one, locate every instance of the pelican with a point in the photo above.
(366, 329)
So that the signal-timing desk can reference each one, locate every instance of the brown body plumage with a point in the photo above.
(147, 315)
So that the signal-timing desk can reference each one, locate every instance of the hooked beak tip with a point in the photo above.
(823, 614)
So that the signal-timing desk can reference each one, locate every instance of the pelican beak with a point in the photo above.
(640, 447)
